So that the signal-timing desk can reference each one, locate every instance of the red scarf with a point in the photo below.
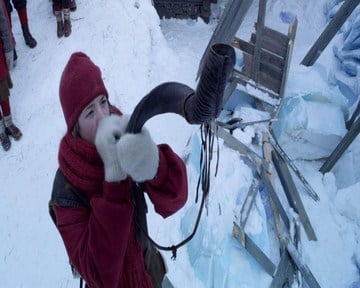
(81, 164)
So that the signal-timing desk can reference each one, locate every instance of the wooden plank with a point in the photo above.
(271, 45)
(273, 71)
(353, 117)
(246, 208)
(299, 262)
(292, 30)
(255, 251)
(268, 76)
(265, 56)
(309, 190)
(235, 144)
(341, 147)
(265, 67)
(330, 31)
(267, 181)
(269, 81)
(228, 25)
(292, 194)
(267, 175)
(245, 80)
(229, 90)
(292, 33)
(281, 39)
(282, 271)
(166, 283)
(247, 65)
(286, 69)
(255, 67)
(248, 203)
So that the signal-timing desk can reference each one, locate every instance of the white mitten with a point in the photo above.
(9, 56)
(138, 155)
(108, 133)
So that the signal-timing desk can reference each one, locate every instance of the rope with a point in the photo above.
(207, 144)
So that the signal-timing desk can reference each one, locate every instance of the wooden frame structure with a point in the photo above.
(266, 58)
(330, 31)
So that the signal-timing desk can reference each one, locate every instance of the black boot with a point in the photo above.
(29, 39)
(11, 129)
(5, 141)
(72, 5)
(4, 138)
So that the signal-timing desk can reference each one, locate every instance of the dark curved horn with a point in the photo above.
(165, 98)
(207, 101)
(197, 106)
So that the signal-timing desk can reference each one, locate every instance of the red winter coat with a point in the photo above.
(101, 242)
(7, 42)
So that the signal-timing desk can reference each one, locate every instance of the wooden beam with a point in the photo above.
(271, 45)
(292, 194)
(245, 79)
(282, 271)
(248, 202)
(341, 147)
(309, 190)
(255, 251)
(255, 67)
(267, 68)
(228, 25)
(353, 116)
(267, 175)
(235, 144)
(331, 29)
(229, 90)
(274, 41)
(265, 56)
(300, 264)
(290, 46)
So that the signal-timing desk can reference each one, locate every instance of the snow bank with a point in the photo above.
(308, 136)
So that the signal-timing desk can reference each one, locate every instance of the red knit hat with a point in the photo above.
(80, 83)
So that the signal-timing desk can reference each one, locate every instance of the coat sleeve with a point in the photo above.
(96, 241)
(168, 190)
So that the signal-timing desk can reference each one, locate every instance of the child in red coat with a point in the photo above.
(100, 161)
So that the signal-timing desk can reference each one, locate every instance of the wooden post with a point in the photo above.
(229, 24)
(292, 194)
(291, 34)
(341, 147)
(353, 117)
(331, 29)
(255, 251)
(258, 42)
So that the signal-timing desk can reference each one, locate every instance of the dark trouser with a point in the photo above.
(5, 85)
(18, 4)
(61, 3)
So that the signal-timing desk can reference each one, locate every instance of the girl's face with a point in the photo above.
(90, 117)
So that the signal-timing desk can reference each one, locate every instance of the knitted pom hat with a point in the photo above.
(80, 83)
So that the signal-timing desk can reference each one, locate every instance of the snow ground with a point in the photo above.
(136, 52)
